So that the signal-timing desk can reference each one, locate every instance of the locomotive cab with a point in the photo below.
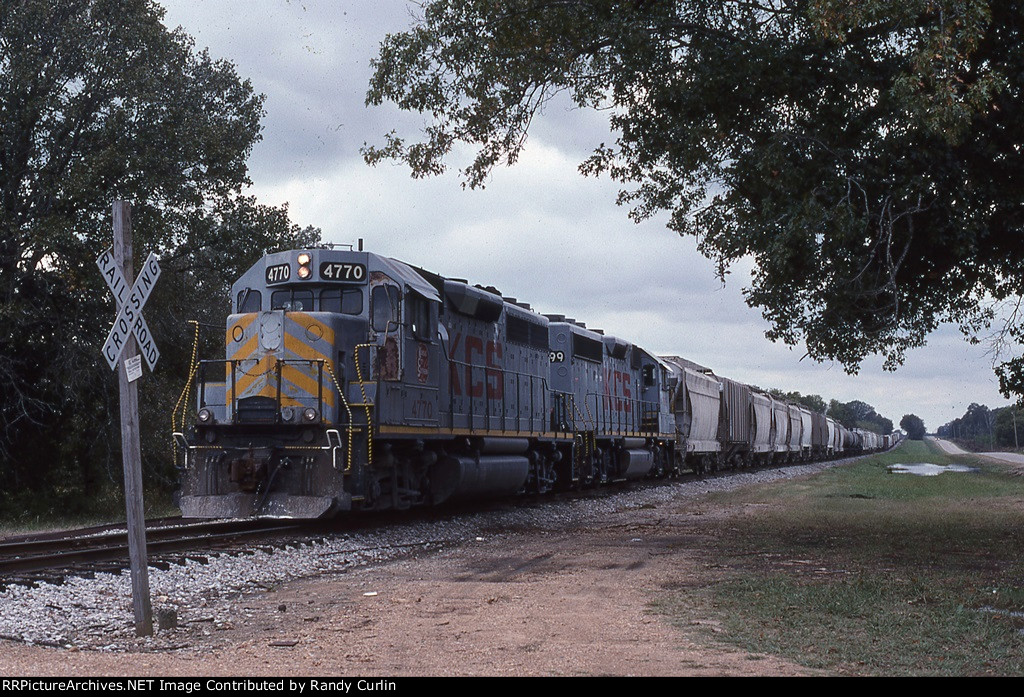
(283, 420)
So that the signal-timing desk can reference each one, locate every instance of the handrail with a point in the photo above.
(366, 402)
(235, 364)
(635, 406)
(351, 425)
(177, 437)
(491, 371)
(182, 404)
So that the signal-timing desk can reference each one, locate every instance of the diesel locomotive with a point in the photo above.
(353, 381)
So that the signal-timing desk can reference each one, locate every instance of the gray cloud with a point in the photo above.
(539, 231)
(312, 61)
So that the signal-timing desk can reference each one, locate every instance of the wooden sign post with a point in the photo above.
(130, 447)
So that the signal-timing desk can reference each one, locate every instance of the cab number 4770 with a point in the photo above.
(337, 271)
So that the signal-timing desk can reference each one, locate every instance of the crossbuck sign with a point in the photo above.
(129, 303)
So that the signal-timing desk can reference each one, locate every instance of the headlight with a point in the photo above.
(305, 270)
(205, 416)
(309, 414)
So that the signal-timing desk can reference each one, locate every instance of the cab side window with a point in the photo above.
(418, 314)
(648, 374)
(384, 306)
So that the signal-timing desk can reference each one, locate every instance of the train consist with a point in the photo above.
(353, 381)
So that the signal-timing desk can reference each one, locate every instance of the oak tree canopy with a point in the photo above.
(867, 156)
(100, 101)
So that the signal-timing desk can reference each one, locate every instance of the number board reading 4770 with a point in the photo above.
(335, 271)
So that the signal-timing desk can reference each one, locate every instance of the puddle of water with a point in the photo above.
(1005, 613)
(927, 469)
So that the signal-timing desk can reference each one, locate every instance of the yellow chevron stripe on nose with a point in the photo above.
(246, 374)
(304, 323)
(300, 349)
(306, 383)
(271, 391)
(244, 350)
(259, 377)
(292, 379)
(244, 323)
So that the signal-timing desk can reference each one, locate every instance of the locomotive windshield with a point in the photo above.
(385, 307)
(348, 301)
(292, 299)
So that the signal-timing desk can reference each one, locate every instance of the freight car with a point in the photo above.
(353, 381)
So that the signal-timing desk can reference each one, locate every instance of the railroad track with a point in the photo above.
(54, 556)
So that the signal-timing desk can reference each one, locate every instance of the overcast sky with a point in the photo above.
(540, 231)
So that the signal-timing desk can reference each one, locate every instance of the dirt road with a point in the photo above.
(954, 449)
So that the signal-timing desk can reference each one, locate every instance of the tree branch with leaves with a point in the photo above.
(866, 156)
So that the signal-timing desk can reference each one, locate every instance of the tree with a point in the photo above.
(841, 413)
(99, 101)
(857, 414)
(975, 429)
(913, 425)
(1009, 427)
(865, 155)
(812, 401)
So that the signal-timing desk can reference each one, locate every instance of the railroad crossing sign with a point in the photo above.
(129, 318)
(114, 268)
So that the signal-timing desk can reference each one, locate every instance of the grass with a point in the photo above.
(105, 508)
(858, 571)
